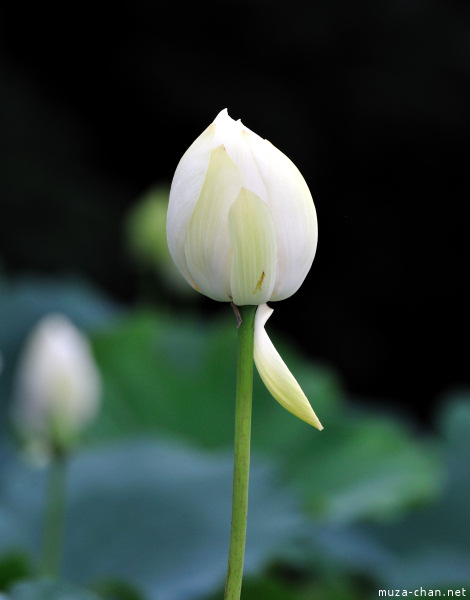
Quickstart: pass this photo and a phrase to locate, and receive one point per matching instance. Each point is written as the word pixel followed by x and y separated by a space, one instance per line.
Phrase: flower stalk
pixel 242 228
pixel 57 393
pixel 241 467
pixel 54 516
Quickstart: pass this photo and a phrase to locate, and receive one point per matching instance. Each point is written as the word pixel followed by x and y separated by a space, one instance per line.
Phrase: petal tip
pixel 316 423
pixel 223 114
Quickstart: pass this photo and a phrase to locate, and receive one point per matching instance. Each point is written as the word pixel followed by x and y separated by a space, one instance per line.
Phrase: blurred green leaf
pixel 14 566
pixel 116 589
pixel 368 467
pixel 155 514
pixel 431 548
pixel 24 301
pixel 177 376
pixel 49 590
pixel 264 588
pixel 303 586
pixel 268 589
pixel 167 374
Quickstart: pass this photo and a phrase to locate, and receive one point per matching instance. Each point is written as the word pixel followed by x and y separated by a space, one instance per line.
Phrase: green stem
pixel 241 466
pixel 54 518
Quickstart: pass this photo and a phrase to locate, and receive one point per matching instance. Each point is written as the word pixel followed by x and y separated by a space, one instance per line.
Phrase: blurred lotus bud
pixel 57 387
pixel 146 238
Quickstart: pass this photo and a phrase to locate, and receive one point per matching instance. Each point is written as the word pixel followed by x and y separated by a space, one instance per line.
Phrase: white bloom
pixel 241 224
pixel 242 227
pixel 57 384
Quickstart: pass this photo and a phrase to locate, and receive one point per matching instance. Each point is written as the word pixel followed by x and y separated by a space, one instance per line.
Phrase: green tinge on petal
pixel 184 194
pixel 207 248
pixel 275 374
pixel 253 238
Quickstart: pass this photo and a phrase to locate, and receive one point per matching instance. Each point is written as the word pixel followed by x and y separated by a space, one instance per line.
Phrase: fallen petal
pixel 276 376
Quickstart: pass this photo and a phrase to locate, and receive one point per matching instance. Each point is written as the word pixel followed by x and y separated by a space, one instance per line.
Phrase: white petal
pixel 293 212
pixel 185 191
pixel 233 135
pixel 208 250
pixel 275 374
pixel 253 239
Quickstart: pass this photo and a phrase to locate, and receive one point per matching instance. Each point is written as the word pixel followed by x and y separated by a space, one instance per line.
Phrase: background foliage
pixel 371 102
pixel 372 502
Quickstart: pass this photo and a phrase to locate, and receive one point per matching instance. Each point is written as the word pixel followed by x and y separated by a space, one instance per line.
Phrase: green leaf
pixel 172 375
pixel 14 566
pixel 431 547
pixel 49 590
pixel 116 589
pixel 265 589
pixel 25 300
pixel 157 515
pixel 297 585
pixel 178 377
pixel 368 467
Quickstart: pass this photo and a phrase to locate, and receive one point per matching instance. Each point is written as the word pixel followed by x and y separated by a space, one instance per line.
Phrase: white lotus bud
pixel 241 223
pixel 242 227
pixel 57 387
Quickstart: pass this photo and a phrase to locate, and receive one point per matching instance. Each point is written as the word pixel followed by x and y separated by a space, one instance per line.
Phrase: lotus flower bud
pixel 57 386
pixel 241 223
pixel 242 227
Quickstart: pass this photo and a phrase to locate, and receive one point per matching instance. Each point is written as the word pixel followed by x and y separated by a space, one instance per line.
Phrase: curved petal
pixel 275 374
pixel 185 191
pixel 253 238
pixel 208 250
pixel 234 136
pixel 293 212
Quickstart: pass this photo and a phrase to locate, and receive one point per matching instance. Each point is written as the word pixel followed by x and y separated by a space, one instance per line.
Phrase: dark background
pixel 369 99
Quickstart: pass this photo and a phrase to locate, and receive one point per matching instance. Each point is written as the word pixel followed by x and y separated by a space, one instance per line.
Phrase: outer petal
pixel 185 191
pixel 275 374
pixel 208 250
pixel 293 212
pixel 232 134
pixel 253 240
